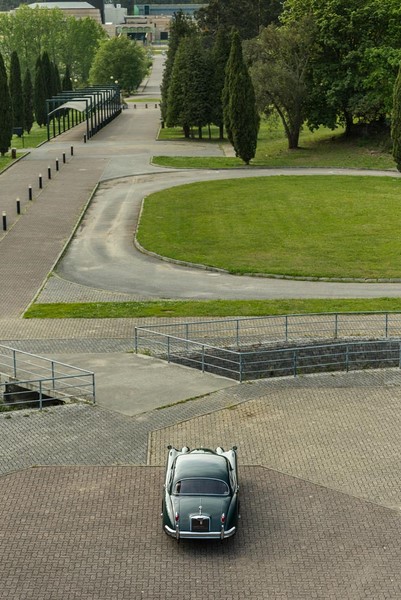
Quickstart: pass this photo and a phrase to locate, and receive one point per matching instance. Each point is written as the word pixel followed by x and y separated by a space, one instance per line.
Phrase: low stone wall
pixel 260 362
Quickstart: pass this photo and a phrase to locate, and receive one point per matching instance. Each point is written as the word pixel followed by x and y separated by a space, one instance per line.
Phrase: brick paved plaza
pixel 320 501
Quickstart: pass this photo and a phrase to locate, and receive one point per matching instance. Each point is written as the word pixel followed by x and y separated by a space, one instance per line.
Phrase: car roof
pixel 201 464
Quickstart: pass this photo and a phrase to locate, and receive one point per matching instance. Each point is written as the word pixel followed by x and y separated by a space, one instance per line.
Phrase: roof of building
pixel 64 5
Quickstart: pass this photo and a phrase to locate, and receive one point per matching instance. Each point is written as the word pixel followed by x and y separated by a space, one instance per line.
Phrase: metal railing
pixel 241 332
pixel 29 379
pixel 275 346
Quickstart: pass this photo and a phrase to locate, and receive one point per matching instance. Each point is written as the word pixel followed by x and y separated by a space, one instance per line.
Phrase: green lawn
pixel 322 148
pixel 210 308
pixel 320 226
pixel 36 136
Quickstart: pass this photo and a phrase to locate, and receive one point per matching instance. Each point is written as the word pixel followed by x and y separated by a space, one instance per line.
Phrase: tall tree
pixel 356 64
pixel 15 85
pixel 189 96
pixel 66 84
pixel 247 16
pixel 220 54
pixel 27 90
pixel 181 26
pixel 47 73
pixel 280 66
pixel 396 121
pixel 240 114
pixel 32 31
pixel 39 95
pixel 6 128
pixel 122 60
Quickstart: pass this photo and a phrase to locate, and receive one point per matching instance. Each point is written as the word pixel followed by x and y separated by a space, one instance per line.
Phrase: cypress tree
pixel 220 54
pixel 6 126
pixel 57 80
pixel 189 95
pixel 181 26
pixel 240 114
pixel 48 75
pixel 39 102
pixel 27 91
pixel 396 121
pixel 66 84
pixel 15 86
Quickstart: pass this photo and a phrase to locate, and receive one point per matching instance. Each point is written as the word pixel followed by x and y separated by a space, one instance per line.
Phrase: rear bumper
pixel 192 535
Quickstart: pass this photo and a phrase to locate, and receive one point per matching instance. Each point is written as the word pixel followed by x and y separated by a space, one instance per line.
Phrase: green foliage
pixel 28 101
pixel 32 31
pixel 48 78
pixel 6 110
pixel 396 121
pixel 17 100
pixel 353 72
pixel 39 94
pixel 280 59
pixel 119 59
pixel 181 26
pixel 189 97
pixel 220 54
pixel 247 16
pixel 241 118
pixel 66 84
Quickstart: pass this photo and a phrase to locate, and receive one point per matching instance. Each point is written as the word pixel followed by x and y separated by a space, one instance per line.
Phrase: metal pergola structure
pixel 97 105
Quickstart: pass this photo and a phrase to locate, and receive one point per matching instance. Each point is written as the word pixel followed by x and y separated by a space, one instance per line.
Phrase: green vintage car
pixel 201 493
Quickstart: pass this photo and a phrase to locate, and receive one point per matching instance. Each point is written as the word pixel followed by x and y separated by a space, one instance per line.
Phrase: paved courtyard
pixel 320 496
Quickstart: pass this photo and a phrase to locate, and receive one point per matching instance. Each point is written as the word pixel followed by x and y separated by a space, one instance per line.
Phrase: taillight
pixel 177 517
pixel 223 518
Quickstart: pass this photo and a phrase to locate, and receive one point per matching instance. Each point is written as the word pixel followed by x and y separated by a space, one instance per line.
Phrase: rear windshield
pixel 201 486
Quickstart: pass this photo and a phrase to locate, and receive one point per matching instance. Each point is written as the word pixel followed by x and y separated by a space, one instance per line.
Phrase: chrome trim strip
pixel 209 535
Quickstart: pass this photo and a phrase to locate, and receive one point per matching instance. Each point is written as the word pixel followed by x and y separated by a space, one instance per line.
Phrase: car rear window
pixel 201 486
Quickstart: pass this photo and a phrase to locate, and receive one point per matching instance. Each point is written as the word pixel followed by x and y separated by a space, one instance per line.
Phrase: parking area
pixel 95 533
pixel 320 497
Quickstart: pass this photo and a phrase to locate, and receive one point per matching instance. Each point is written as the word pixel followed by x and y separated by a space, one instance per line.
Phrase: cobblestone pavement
pixel 320 485
pixel 92 533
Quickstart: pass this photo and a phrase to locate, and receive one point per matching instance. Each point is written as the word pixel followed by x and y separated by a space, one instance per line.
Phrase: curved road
pixel 102 255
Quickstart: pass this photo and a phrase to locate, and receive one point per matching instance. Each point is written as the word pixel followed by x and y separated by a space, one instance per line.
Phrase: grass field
pixel 336 226
pixel 322 148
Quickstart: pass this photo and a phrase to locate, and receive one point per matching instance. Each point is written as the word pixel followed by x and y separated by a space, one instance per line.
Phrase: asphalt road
pixel 102 254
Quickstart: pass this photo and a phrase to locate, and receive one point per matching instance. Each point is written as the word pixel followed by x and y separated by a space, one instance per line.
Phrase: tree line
pixel 204 85
pixel 313 63
pixel 44 52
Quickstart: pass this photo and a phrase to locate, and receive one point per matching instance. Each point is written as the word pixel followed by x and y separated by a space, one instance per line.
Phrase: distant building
pixel 166 10
pixel 77 9
pixel 150 22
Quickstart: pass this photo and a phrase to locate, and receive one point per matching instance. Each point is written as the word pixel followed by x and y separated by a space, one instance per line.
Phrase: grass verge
pixel 207 308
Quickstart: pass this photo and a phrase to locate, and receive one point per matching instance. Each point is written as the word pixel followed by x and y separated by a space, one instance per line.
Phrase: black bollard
pixel 4 221
pixel 84 138
pixel 30 192
pixel 49 172
pixel 63 157
pixel 57 167
pixel 18 206
pixel 72 150
pixel 40 181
